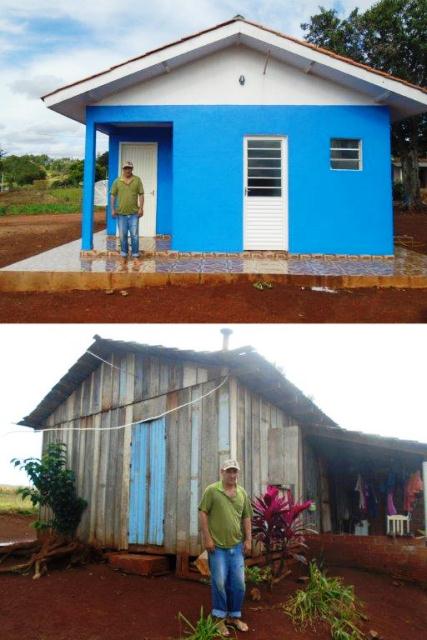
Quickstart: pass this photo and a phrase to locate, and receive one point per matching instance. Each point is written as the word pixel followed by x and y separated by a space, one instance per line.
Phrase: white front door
pixel 144 158
pixel 265 216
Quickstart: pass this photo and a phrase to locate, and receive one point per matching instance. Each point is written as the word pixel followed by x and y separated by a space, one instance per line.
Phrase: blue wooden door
pixel 147 483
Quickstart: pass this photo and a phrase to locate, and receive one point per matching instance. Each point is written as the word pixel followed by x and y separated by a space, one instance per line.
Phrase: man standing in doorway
pixel 130 207
pixel 225 519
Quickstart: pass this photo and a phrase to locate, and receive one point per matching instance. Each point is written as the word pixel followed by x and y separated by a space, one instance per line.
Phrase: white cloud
pixel 110 37
pixel 35 86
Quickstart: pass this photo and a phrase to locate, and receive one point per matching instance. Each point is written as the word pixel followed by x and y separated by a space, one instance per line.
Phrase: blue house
pixel 247 139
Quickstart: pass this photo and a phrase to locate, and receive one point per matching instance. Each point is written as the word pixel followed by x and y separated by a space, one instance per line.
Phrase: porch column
pixel 113 172
pixel 88 185
pixel 425 494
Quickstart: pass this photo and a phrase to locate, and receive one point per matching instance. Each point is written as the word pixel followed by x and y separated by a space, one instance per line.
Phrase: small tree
pixel 54 487
pixel 277 525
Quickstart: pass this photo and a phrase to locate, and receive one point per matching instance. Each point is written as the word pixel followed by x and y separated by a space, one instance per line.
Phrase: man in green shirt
pixel 129 192
pixel 225 519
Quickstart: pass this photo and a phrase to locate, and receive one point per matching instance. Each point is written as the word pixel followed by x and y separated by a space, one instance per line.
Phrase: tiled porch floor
pixel 66 258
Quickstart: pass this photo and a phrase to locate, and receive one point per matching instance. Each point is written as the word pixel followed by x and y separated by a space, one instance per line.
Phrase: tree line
pixel 23 170
pixel 390 36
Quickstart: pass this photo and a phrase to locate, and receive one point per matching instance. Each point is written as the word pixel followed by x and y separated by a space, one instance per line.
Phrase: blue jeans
pixel 128 224
pixel 227 567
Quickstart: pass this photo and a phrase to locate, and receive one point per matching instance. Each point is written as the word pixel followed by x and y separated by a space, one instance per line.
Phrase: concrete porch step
pixel 139 564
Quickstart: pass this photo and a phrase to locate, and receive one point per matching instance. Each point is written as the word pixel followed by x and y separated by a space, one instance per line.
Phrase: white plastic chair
pixel 397 525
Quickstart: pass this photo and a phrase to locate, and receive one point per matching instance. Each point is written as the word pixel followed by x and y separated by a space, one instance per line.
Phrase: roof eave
pixel 91 90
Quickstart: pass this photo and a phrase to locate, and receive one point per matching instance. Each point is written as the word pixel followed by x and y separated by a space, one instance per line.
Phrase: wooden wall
pixel 261 441
pixel 232 422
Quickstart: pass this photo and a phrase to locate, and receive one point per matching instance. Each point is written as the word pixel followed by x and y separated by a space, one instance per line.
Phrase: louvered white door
pixel 144 158
pixel 266 194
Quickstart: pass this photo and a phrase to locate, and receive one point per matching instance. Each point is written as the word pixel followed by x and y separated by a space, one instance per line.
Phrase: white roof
pixel 403 98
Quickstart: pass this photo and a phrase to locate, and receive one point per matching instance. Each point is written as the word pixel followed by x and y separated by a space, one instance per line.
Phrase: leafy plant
pixel 256 575
pixel 277 525
pixel 328 600
pixel 206 628
pixel 54 487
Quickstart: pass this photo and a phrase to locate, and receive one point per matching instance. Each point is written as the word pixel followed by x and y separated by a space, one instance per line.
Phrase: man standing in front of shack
pixel 130 207
pixel 225 520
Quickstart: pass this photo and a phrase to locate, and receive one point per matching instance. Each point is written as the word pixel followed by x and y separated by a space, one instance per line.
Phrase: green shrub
pixel 256 575
pixel 54 487
pixel 204 629
pixel 328 600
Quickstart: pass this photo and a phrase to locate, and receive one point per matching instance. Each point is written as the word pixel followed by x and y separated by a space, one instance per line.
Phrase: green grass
pixel 32 201
pixel 11 503
pixel 326 600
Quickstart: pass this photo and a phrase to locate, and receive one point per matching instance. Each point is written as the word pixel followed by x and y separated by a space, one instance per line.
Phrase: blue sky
pixel 45 44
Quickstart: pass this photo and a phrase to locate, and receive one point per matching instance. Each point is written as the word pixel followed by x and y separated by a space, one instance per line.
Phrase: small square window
pixel 346 154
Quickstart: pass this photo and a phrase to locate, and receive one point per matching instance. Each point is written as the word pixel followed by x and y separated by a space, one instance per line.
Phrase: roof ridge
pixel 239 18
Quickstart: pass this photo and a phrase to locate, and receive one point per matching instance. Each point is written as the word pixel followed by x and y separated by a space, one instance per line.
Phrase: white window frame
pixel 359 149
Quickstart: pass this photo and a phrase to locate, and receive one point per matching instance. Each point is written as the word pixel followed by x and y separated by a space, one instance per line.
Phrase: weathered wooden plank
pixel 276 456
pixel 292 458
pixel 146 373
pixel 118 479
pixel 183 487
pixel 202 375
pixel 241 431
pixel 263 444
pixel 175 376
pixel 210 458
pixel 86 395
pixel 94 492
pixel 107 386
pixel 104 442
pixel 154 382
pixel 223 424
pixel 189 375
pixel 195 471
pixel 149 409
pixel 172 473
pixel 111 488
pixel 248 442
pixel 232 386
pixel 85 469
pixel 115 381
pixel 132 389
pixel 139 374
pixel 256 471
pixel 164 377
pixel 124 511
pixel 95 405
pixel 124 381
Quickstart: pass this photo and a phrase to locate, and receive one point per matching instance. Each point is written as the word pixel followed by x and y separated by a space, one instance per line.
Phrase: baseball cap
pixel 230 464
pixel 128 163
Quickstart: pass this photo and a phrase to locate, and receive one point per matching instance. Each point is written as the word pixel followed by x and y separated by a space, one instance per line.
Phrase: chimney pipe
pixel 226 333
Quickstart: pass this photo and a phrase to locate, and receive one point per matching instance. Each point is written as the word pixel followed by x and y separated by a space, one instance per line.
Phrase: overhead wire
pixel 129 424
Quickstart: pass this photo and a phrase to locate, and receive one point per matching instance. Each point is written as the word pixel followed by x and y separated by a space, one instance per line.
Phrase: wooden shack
pixel 147 428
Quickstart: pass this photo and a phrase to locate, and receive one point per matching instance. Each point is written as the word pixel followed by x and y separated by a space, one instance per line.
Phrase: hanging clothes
pixel 360 487
pixel 391 484
pixel 412 486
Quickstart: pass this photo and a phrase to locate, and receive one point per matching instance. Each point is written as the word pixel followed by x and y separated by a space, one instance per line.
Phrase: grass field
pixel 12 503
pixel 30 201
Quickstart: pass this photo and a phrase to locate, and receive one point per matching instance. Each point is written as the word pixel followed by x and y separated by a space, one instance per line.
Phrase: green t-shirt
pixel 127 194
pixel 225 514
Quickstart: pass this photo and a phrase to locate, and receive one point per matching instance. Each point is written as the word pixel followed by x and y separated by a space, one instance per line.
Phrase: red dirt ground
pixel 228 303
pixel 25 236
pixel 16 527
pixel 96 603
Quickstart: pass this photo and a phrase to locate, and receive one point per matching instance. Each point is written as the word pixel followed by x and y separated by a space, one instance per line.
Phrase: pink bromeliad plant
pixel 278 526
